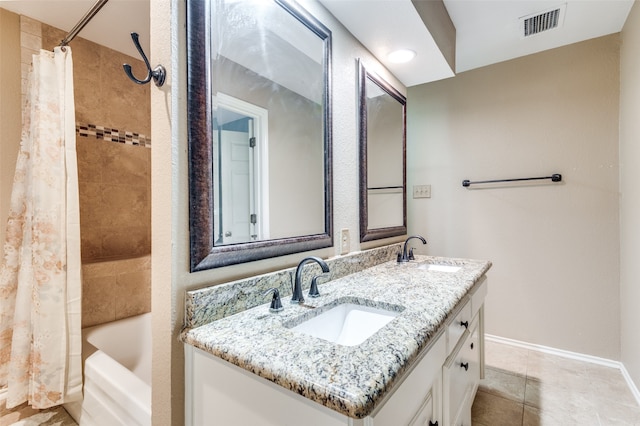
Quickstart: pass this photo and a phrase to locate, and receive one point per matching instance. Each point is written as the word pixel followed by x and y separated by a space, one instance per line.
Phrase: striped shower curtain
pixel 40 273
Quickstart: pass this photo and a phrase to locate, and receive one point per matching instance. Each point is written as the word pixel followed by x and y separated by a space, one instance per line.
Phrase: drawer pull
pixel 464 324
pixel 432 423
pixel 464 365
pixel 471 345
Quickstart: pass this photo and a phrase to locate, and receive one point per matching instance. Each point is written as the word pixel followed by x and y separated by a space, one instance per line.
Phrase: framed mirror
pixel 383 174
pixel 259 112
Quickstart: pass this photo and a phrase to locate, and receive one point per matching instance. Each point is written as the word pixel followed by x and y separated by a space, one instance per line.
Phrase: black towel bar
pixel 556 177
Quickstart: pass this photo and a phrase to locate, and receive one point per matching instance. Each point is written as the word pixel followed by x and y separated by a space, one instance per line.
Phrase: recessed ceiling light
pixel 401 55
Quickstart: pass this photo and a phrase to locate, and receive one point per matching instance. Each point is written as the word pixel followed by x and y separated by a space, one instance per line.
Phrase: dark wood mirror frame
pixel 366 233
pixel 203 254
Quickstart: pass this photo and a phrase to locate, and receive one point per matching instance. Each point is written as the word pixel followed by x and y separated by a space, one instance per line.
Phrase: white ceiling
pixel 387 25
pixel 487 30
pixel 110 27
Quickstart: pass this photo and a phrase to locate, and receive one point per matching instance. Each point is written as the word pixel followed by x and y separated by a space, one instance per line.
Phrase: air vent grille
pixel 541 22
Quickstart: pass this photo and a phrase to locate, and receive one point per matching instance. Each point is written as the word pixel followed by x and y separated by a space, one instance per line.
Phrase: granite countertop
pixel 351 380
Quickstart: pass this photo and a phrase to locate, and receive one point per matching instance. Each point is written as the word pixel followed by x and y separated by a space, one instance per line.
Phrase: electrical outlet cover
pixel 345 241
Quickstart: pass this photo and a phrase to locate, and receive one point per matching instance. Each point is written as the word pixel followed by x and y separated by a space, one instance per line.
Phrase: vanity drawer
pixel 458 326
pixel 461 378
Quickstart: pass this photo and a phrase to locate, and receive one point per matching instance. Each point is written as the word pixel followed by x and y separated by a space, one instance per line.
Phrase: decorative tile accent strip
pixel 212 303
pixel 112 135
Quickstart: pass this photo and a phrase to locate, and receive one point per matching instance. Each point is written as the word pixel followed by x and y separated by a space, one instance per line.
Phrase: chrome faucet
pixel 404 257
pixel 297 288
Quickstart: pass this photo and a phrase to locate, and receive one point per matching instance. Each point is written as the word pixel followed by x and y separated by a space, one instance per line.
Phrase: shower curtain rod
pixel 83 21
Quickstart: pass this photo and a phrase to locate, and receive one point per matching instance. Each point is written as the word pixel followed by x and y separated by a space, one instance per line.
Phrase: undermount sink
pixel 347 324
pixel 439 268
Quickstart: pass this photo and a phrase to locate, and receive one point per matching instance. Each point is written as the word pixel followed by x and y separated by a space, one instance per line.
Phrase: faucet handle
pixel 313 290
pixel 276 303
pixel 411 257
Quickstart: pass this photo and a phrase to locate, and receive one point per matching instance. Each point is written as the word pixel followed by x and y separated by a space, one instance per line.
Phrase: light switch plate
pixel 421 191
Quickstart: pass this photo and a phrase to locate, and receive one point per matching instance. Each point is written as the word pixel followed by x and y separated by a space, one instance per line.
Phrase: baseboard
pixel 553 351
pixel 632 385
pixel 571 355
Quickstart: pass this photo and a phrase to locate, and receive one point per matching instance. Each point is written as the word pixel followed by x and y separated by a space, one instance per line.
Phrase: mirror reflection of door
pixel 240 163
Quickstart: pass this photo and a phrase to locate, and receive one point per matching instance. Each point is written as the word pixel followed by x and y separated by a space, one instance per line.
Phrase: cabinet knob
pixel 464 365
pixel 464 324
pixel 432 423
pixel 471 345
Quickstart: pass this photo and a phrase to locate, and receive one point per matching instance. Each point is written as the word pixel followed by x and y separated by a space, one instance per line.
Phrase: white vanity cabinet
pixel 219 393
pixel 437 390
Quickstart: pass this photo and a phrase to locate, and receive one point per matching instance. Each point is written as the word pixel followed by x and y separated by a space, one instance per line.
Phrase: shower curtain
pixel 40 274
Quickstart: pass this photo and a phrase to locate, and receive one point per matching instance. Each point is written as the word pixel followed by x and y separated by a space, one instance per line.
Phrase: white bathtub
pixel 117 374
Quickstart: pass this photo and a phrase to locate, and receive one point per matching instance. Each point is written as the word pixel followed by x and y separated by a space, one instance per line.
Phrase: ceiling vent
pixel 542 21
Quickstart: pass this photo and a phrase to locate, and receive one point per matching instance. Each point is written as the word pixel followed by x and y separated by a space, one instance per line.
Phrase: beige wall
pixel 554 247
pixel 10 109
pixel 630 199
pixel 170 260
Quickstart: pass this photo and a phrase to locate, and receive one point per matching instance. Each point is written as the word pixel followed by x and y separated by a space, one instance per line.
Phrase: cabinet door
pixel 427 413
pixel 455 380
pixel 221 394
pixel 419 395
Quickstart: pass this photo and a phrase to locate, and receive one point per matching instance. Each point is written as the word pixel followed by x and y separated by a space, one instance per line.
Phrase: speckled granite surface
pixel 212 303
pixel 351 380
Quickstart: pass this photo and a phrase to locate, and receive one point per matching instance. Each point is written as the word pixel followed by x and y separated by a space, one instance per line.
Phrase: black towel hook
pixel 158 73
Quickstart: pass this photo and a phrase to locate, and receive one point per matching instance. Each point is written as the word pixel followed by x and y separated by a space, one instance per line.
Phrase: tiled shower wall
pixel 114 173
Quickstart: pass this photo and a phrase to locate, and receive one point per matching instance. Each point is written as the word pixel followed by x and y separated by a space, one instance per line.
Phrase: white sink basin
pixel 439 268
pixel 347 324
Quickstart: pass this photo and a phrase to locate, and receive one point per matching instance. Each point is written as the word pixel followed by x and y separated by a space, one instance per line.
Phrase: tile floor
pixel 529 388
pixel 24 415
